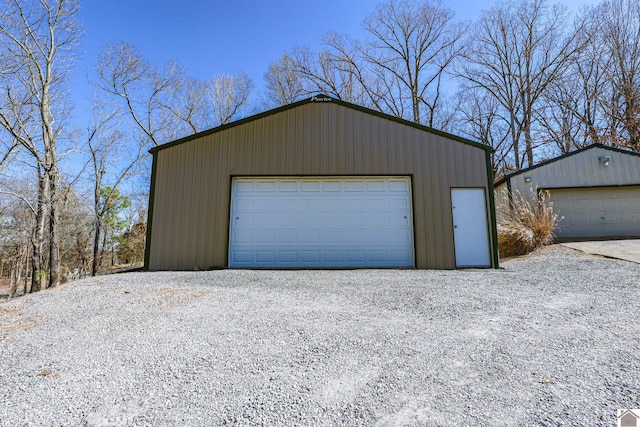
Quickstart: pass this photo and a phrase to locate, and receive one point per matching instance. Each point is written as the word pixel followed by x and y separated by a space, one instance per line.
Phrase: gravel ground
pixel 553 339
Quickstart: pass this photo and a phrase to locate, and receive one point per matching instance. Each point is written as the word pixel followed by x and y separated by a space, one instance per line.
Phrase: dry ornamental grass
pixel 527 224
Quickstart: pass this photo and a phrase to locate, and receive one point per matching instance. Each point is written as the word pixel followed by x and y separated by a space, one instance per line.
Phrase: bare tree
pixel 517 51
pixel 596 101
pixel 618 41
pixel 37 41
pixel 113 159
pixel 186 101
pixel 165 104
pixel 333 71
pixel 565 114
pixel 227 95
pixel 283 84
pixel 195 105
pixel 480 116
pixel 75 246
pixel 8 151
pixel 124 73
pixel 412 45
pixel 17 215
pixel 398 70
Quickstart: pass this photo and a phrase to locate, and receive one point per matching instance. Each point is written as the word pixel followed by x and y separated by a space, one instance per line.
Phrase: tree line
pixel 527 78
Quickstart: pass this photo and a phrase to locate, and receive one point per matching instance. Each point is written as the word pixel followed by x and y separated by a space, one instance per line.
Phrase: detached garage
pixel 321 184
pixel 595 191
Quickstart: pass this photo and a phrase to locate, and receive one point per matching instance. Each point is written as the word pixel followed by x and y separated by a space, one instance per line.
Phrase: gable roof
pixel 323 99
pixel 564 156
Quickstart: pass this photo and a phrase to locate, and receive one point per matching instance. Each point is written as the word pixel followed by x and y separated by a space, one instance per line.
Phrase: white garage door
pixel 597 212
pixel 321 222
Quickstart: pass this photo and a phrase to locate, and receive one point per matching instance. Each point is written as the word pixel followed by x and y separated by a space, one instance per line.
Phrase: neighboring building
pixel 321 184
pixel 596 191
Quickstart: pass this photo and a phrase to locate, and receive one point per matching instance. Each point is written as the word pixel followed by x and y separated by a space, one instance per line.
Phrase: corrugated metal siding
pixel 193 179
pixel 582 170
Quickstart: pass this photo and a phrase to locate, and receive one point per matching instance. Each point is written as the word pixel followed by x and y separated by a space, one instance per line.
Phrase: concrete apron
pixel 628 250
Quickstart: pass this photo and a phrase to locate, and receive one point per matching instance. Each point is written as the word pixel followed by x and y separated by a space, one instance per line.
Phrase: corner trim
pixel 152 192
pixel 492 213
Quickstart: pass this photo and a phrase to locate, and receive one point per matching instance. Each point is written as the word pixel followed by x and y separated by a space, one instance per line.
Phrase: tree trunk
pixel 54 217
pixel 95 263
pixel 54 243
pixel 13 278
pixel 528 142
pixel 26 268
pixel 416 105
pixel 96 248
pixel 630 120
pixel 38 235
pixel 514 138
pixel 104 245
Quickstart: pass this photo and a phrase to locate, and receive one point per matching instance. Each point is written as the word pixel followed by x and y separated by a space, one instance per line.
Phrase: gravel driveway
pixel 553 339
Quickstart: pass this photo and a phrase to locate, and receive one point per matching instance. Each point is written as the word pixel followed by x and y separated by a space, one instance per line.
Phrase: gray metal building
pixel 595 191
pixel 321 183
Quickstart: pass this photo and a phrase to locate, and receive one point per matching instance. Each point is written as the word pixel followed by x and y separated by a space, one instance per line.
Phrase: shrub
pixel 527 224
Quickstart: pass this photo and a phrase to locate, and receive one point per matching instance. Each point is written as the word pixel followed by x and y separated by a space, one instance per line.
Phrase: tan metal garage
pixel 320 183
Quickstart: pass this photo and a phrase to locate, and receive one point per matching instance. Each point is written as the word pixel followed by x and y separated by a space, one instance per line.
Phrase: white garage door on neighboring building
pixel 321 222
pixel 597 212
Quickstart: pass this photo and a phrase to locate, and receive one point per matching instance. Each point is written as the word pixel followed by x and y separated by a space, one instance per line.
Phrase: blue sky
pixel 212 37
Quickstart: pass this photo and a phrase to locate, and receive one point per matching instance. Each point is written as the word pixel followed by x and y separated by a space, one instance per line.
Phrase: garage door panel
pixel 243 205
pixel 401 186
pixel 375 204
pixel 267 187
pixel 325 222
pixel 597 212
pixel 400 256
pixel 331 186
pixel 243 237
pixel 287 256
pixel 354 186
pixel 268 237
pixel 375 186
pixel 398 204
pixel 246 186
pixel 242 256
pixel 286 187
pixel 265 256
pixel 309 237
pixel 333 256
pixel 356 256
pixel 310 256
pixel 267 204
pixel 378 256
pixel 309 186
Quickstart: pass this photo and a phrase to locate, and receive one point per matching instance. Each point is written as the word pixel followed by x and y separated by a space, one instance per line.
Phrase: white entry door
pixel 321 222
pixel 470 227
